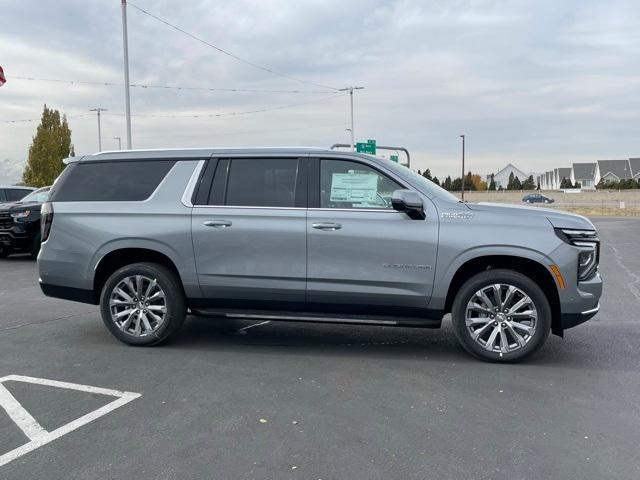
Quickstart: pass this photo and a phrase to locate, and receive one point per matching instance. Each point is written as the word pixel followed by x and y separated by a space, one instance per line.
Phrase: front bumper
pixel 14 240
pixel 572 319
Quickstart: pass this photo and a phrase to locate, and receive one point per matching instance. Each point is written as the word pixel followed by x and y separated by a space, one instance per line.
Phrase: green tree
pixel 492 183
pixel 516 184
pixel 436 181
pixel 566 183
pixel 427 174
pixel 456 185
pixel 447 183
pixel 419 173
pixel 49 146
pixel 510 183
pixel 529 183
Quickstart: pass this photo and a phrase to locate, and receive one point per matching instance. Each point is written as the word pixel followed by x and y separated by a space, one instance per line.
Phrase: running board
pixel 316 318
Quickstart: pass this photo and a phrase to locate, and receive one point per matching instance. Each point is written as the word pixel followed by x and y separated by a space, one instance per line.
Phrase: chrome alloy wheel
pixel 501 318
pixel 138 306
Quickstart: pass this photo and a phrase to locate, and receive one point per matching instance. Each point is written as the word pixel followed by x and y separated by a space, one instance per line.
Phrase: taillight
pixel 46 220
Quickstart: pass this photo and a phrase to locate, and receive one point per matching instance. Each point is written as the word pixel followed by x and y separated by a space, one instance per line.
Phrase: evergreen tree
pixel 566 183
pixel 436 181
pixel 492 183
pixel 469 182
pixel 510 183
pixel 447 183
pixel 528 184
pixel 516 184
pixel 50 145
pixel 419 173
pixel 456 185
pixel 427 174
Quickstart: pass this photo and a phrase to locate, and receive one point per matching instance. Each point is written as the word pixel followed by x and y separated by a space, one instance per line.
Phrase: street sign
pixel 369 147
pixel 394 158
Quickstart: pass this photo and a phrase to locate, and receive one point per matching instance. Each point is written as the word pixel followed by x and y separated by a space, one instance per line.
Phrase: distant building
pixel 502 177
pixel 634 163
pixel 585 174
pixel 563 173
pixel 613 170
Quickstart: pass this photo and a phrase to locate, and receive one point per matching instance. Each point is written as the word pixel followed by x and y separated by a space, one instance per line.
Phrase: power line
pixel 166 87
pixel 196 115
pixel 228 114
pixel 225 52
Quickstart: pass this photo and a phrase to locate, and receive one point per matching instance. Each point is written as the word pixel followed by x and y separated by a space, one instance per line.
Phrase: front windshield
pixel 427 185
pixel 39 196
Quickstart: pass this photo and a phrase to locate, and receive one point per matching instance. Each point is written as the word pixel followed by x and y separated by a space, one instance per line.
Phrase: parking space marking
pixel 37 435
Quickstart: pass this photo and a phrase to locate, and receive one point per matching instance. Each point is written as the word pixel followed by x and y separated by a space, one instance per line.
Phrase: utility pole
pixel 127 100
pixel 119 142
pixel 350 90
pixel 98 110
pixel 462 136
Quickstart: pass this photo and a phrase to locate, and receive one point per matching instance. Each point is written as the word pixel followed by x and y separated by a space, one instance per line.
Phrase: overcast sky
pixel 540 84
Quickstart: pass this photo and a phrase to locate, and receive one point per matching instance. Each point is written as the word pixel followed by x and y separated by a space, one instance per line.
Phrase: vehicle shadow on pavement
pixel 339 340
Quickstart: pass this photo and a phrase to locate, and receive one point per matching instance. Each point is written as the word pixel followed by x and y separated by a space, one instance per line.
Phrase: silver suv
pixel 309 235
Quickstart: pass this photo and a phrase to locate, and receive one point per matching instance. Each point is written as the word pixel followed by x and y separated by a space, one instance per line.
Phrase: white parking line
pixel 37 435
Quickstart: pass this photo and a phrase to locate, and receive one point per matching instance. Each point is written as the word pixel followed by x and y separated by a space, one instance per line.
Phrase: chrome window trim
pixel 191 185
pixel 361 210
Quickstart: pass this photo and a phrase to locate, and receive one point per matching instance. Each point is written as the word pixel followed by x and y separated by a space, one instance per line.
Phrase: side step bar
pixel 317 318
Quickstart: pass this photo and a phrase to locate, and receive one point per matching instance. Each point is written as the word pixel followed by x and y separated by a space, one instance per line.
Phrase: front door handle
pixel 217 223
pixel 327 226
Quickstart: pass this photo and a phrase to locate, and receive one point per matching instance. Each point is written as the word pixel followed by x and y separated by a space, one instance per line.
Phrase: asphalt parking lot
pixel 281 400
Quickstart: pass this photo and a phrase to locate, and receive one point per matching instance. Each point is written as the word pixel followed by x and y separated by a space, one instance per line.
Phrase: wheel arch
pixel 121 257
pixel 533 269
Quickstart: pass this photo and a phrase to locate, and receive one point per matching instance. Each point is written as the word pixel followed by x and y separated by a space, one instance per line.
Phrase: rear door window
pixel 119 181
pixel 260 182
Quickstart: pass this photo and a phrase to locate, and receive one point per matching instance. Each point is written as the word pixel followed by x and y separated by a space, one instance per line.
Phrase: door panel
pixel 250 253
pixel 374 258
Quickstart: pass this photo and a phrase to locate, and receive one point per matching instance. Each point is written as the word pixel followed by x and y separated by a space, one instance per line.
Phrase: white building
pixel 502 177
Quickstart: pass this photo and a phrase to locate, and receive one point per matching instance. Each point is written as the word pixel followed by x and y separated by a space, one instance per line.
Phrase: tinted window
pixel 110 181
pixel 14 194
pixel 2 196
pixel 345 184
pixel 269 182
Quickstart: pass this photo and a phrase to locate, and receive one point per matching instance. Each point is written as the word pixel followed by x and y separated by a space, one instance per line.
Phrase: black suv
pixel 13 193
pixel 20 224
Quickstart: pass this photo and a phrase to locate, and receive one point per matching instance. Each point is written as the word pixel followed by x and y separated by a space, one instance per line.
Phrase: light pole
pixel 98 110
pixel 462 136
pixel 119 142
pixel 127 101
pixel 350 90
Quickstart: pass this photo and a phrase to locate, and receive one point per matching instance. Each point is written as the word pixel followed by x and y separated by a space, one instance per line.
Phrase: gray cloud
pixel 540 84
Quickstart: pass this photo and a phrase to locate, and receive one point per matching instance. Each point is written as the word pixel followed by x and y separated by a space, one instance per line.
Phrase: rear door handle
pixel 217 223
pixel 326 226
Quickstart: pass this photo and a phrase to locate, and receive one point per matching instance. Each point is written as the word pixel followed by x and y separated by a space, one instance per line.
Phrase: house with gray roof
pixel 563 173
pixel 634 163
pixel 613 170
pixel 585 174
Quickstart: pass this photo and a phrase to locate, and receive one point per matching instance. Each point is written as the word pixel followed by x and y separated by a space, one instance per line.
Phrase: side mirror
pixel 409 202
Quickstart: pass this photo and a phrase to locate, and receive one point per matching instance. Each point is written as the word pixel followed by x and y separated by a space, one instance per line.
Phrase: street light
pixel 98 110
pixel 462 136
pixel 350 90
pixel 119 142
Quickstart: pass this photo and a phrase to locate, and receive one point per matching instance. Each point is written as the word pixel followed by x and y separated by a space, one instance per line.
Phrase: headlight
pixel 21 214
pixel 589 244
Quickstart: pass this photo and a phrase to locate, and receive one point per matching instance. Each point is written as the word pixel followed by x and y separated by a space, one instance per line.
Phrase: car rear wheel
pixel 143 304
pixel 501 316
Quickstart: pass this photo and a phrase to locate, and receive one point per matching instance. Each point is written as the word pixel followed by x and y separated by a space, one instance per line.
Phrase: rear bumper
pixel 69 293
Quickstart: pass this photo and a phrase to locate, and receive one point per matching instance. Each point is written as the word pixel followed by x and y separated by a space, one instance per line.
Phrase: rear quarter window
pixel 121 181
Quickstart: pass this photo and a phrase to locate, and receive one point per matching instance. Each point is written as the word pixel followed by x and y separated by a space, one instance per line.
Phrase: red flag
pixel 3 80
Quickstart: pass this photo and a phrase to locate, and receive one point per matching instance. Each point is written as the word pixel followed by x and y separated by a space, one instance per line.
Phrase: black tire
pixel 35 247
pixel 4 252
pixel 507 277
pixel 174 300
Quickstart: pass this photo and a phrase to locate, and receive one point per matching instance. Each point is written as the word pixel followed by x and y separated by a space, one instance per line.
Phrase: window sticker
pixel 354 187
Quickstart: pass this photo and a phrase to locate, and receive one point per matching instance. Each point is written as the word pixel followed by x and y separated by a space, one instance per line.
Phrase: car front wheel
pixel 143 304
pixel 501 316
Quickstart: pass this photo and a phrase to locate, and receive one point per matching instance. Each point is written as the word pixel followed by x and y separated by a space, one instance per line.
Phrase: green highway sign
pixel 394 158
pixel 369 147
